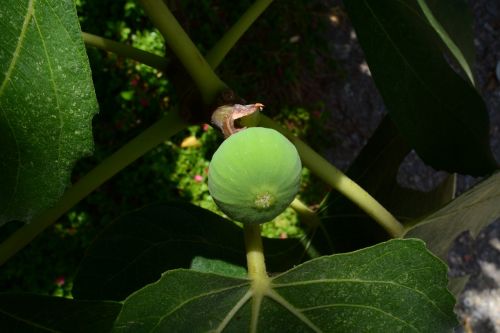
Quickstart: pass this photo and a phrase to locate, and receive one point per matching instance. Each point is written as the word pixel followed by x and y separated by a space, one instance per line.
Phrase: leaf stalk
pixel 255 252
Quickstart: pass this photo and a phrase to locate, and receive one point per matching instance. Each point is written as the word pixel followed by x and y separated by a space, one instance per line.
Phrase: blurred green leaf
pixel 37 313
pixel 440 115
pixel 46 104
pixel 356 292
pixel 127 95
pixel 138 247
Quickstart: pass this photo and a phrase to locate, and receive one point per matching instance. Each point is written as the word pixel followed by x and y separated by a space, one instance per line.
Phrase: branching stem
pixel 202 74
pixel 215 56
pixel 339 181
pixel 125 51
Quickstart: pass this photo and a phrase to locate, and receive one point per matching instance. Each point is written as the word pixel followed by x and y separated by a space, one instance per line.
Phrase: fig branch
pixel 339 181
pixel 214 57
pixel 126 51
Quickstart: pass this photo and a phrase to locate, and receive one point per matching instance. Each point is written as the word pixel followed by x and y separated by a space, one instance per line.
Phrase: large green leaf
pixel 36 313
pixel 397 286
pixel 46 103
pixel 471 211
pixel 440 115
pixel 452 20
pixel 138 247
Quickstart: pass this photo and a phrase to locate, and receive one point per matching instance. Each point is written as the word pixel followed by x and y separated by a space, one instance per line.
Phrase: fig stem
pixel 255 253
pixel 339 181
pixel 256 270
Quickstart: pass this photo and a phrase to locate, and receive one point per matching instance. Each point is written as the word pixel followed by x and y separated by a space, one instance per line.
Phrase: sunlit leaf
pixel 397 286
pixel 47 102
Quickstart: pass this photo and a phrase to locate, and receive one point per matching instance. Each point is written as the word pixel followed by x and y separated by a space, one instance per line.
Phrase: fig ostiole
pixel 254 175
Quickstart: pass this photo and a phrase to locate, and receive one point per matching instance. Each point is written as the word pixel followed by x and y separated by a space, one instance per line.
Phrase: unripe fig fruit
pixel 254 175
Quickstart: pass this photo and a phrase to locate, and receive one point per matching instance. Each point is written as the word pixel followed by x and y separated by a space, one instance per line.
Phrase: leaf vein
pixel 15 56
pixel 54 88
pixel 296 312
pixel 388 314
pixel 30 323
pixel 234 310
pixel 191 299
pixel 318 281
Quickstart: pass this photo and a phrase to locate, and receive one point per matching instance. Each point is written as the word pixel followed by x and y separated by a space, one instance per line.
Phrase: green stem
pixel 256 270
pixel 151 137
pixel 255 252
pixel 215 56
pixel 309 248
pixel 339 181
pixel 125 51
pixel 311 219
pixel 202 74
pixel 306 214
pixel 447 40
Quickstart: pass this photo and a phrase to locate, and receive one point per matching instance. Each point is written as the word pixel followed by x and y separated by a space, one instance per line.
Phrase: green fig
pixel 254 175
